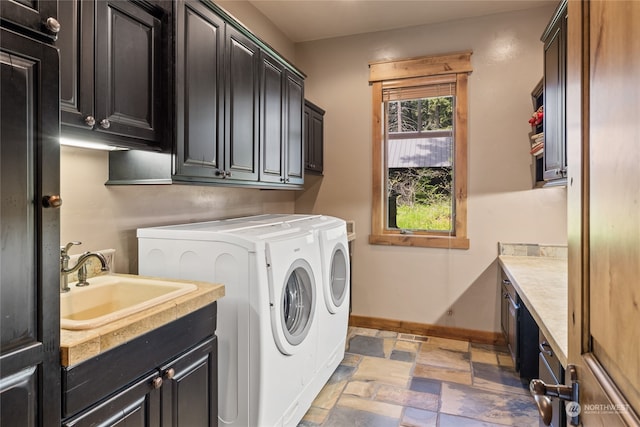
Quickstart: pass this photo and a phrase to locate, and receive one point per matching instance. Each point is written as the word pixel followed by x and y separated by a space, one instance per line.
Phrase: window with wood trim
pixel 419 109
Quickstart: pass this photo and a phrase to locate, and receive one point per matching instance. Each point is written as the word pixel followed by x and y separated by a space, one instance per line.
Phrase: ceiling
pixel 306 20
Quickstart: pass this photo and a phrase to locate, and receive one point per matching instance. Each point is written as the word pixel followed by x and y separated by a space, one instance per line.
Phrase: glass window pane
pixel 419 164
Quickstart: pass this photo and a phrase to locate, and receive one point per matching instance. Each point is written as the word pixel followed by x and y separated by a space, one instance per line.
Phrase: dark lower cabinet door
pixel 128 55
pixel 30 250
pixel 190 388
pixel 135 406
pixel 242 107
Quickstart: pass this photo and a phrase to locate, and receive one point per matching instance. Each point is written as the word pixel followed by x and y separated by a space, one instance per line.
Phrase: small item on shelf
pixel 537 148
pixel 536 117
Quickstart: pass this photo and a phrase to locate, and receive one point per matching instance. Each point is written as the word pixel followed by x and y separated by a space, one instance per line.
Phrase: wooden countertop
pixel 77 346
pixel 541 283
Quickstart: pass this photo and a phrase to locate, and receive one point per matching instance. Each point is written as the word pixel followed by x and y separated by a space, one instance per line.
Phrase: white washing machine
pixel 267 321
pixel 333 289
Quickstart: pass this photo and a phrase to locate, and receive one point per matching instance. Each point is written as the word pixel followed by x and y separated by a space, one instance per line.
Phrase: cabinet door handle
pixel 506 281
pixel 52 25
pixel 90 121
pixel 169 373
pixel 105 124
pixel 156 383
pixel 54 201
pixel 545 348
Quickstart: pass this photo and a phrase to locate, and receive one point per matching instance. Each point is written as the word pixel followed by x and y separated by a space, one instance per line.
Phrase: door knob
pixel 52 25
pixel 542 392
pixel 105 124
pixel 53 201
pixel 90 121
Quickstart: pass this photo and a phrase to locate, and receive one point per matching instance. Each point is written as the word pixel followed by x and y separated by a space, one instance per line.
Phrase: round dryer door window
pixel 297 305
pixel 339 276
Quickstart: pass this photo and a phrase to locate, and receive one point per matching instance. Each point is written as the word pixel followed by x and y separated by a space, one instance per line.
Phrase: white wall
pixel 422 284
pixel 105 217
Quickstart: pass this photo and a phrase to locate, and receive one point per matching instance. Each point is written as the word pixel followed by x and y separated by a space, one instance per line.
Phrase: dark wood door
pixel 128 85
pixel 75 42
pixel 136 406
pixel 190 388
pixel 555 51
pixel 199 92
pixel 272 111
pixel 30 253
pixel 294 103
pixel 32 15
pixel 241 106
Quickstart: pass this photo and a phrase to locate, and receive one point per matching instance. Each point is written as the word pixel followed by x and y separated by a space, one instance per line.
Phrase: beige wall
pixel 417 284
pixel 105 217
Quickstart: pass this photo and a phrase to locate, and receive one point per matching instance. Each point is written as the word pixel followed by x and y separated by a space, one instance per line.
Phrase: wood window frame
pixel 396 74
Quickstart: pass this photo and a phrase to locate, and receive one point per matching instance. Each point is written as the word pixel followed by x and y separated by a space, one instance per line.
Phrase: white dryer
pixel 333 289
pixel 333 303
pixel 267 321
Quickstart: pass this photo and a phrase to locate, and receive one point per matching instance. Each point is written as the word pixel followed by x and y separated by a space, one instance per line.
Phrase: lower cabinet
pixel 520 331
pixel 167 377
pixel 551 372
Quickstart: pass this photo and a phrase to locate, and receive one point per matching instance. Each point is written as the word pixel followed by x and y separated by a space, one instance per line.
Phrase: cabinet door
pixel 241 107
pixel 314 138
pixel 75 42
pixel 128 85
pixel 190 388
pixel 199 108
pixel 136 406
pixel 31 14
pixel 272 120
pixel 294 103
pixel 30 250
pixel 554 101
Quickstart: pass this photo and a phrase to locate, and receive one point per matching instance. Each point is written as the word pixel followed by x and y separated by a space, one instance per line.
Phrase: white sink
pixel 113 297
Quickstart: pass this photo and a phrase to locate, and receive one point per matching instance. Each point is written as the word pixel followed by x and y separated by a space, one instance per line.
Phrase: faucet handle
pixel 65 249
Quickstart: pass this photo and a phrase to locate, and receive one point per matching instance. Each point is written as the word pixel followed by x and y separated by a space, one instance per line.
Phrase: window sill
pixel 420 241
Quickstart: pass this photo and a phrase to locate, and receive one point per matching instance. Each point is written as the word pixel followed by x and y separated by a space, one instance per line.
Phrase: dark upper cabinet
pixel 199 145
pixel 37 17
pixel 313 138
pixel 294 89
pixel 555 54
pixel 241 106
pixel 112 79
pixel 30 253
pixel 281 123
pixel 238 110
pixel 272 124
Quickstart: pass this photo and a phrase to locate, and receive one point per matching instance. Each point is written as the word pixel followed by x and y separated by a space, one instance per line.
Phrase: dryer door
pixel 292 294
pixel 338 282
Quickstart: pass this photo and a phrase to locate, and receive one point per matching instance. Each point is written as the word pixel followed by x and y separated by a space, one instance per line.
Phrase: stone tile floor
pixel 388 379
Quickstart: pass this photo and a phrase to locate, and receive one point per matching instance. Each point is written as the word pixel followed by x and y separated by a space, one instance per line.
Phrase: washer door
pixel 337 286
pixel 293 306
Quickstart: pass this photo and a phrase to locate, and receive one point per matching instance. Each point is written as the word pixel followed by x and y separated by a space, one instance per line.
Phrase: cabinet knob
pixel 52 25
pixel 90 121
pixel 169 373
pixel 156 383
pixel 105 124
pixel 54 201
